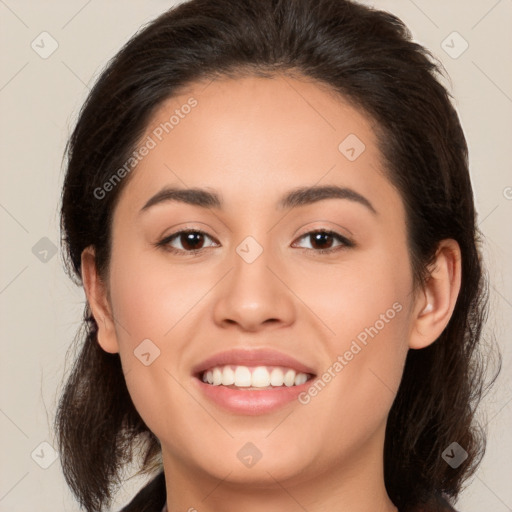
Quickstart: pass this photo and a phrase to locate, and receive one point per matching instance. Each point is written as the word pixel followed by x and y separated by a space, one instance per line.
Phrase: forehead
pixel 254 138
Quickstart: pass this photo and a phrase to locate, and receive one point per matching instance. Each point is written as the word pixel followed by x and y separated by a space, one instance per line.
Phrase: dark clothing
pixel 152 497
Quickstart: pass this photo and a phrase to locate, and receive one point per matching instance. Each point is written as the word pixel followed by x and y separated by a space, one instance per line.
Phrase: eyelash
pixel 345 242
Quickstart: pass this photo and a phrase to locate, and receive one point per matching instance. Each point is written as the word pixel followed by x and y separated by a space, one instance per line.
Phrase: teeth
pixel 300 378
pixel 217 376
pixel 253 377
pixel 277 377
pixel 289 378
pixel 228 376
pixel 260 377
pixel 242 377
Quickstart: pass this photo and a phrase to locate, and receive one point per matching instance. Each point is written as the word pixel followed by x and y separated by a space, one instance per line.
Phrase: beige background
pixel 41 309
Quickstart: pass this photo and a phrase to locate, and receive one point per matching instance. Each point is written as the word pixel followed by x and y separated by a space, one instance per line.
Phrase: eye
pixel 193 241
pixel 187 240
pixel 323 241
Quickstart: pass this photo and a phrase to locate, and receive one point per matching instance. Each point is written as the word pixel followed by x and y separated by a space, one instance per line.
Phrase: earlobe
pixel 96 293
pixel 436 302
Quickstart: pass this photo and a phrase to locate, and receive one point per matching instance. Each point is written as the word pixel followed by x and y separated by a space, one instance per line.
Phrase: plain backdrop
pixel 41 309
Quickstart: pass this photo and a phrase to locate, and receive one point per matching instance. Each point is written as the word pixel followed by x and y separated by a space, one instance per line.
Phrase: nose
pixel 254 295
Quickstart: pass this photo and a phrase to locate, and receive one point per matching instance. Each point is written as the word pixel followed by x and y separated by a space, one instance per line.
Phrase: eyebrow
pixel 301 196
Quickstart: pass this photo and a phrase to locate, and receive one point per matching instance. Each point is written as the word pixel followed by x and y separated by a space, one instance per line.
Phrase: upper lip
pixel 252 357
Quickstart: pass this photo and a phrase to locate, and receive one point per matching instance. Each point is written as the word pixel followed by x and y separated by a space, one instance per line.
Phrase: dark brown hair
pixel 369 58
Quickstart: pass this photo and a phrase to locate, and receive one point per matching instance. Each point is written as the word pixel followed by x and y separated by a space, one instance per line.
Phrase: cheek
pixel 358 293
pixel 149 298
pixel 365 305
pixel 149 302
pixel 352 398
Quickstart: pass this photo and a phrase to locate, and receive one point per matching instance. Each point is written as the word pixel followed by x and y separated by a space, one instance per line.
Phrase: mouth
pixel 252 382
pixel 245 378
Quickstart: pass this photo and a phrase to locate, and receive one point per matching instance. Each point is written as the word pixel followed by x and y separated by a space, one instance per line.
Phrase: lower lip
pixel 252 402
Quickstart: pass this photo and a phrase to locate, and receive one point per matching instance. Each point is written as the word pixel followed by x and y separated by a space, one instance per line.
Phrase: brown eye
pixel 325 241
pixel 191 240
pixel 186 241
pixel 321 240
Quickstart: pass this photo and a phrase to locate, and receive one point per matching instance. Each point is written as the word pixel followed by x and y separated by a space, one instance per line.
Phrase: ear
pixel 436 301
pixel 97 297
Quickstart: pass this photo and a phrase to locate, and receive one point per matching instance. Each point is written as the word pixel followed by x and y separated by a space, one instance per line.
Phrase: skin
pixel 252 140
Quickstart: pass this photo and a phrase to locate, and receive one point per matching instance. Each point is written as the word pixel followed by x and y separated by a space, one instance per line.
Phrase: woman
pixel 269 207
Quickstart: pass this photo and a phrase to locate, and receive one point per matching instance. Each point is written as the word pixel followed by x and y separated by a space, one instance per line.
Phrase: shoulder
pixel 444 506
pixel 439 503
pixel 151 498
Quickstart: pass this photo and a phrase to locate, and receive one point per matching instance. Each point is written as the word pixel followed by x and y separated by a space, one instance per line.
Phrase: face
pixel 322 278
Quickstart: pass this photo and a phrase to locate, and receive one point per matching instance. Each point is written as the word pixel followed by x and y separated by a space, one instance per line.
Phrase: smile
pixel 254 377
